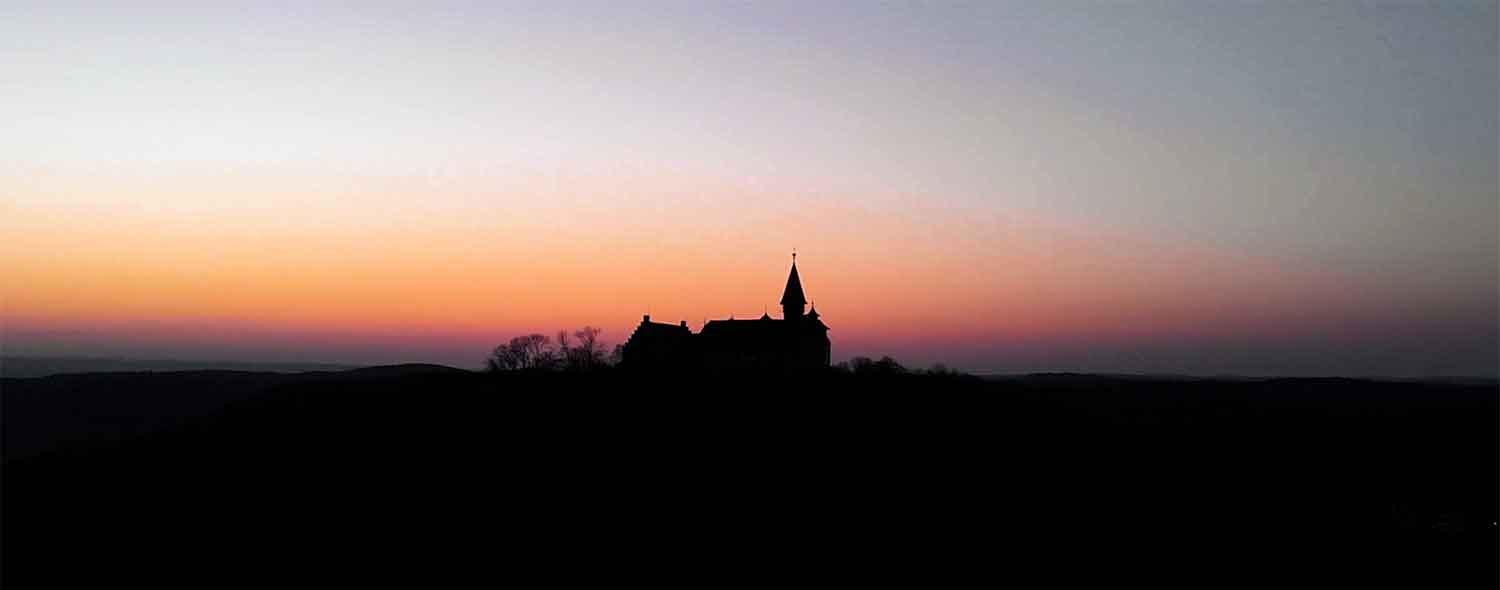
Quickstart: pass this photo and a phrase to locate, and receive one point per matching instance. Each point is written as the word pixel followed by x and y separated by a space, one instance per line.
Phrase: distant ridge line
pixel 42 366
pixel 1451 379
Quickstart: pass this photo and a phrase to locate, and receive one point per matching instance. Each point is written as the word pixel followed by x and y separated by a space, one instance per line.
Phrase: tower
pixel 792 300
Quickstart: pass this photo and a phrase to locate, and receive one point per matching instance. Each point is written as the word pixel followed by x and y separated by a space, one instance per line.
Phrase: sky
pixel 1251 188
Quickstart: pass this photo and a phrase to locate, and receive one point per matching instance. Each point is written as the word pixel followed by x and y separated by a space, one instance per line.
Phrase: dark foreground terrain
pixel 421 475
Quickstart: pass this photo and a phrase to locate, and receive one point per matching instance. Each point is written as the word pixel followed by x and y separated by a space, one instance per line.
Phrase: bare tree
pixel 520 354
pixel 885 366
pixel 581 350
pixel 587 352
pixel 537 355
pixel 590 349
pixel 943 370
pixel 564 348
pixel 889 366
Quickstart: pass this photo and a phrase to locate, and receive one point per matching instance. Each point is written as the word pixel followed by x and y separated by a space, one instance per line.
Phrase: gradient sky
pixel 1293 188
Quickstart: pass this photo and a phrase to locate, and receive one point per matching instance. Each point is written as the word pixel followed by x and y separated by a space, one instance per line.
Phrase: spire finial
pixel 794 255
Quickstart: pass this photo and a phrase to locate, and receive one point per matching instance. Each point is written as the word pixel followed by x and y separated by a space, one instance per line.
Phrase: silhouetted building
pixel 796 341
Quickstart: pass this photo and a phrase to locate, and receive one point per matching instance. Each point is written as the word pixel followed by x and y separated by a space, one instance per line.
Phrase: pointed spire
pixel 792 299
pixel 793 293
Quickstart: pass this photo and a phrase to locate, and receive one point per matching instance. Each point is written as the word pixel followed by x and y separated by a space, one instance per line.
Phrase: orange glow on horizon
pixel 477 276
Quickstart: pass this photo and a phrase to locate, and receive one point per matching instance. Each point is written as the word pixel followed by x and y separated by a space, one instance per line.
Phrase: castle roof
pixel 737 328
pixel 649 327
pixel 793 293
pixel 763 326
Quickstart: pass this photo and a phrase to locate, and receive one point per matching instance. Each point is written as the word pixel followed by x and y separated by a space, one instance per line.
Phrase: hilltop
pixel 436 476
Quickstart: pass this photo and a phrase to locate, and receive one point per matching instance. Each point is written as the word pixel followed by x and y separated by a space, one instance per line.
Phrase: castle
pixel 796 341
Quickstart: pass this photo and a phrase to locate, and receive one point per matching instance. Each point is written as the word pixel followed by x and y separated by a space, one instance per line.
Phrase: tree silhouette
pixel 521 353
pixel 885 366
pixel 943 370
pixel 580 350
pixel 589 352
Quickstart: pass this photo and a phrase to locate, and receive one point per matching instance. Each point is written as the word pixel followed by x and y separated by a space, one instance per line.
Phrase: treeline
pixel 583 351
pixel 577 351
pixel 863 365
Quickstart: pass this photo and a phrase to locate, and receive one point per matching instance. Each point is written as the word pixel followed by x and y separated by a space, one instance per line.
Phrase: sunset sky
pixel 1256 188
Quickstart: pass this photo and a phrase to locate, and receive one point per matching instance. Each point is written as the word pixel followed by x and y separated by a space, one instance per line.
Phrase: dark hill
pixel 42 366
pixel 426 476
pixel 68 411
pixel 404 370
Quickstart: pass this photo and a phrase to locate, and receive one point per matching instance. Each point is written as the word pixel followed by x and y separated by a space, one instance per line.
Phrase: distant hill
pixel 99 408
pixel 1160 378
pixel 406 370
pixel 42 366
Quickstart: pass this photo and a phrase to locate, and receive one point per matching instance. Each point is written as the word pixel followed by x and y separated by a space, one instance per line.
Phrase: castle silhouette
pixel 796 341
